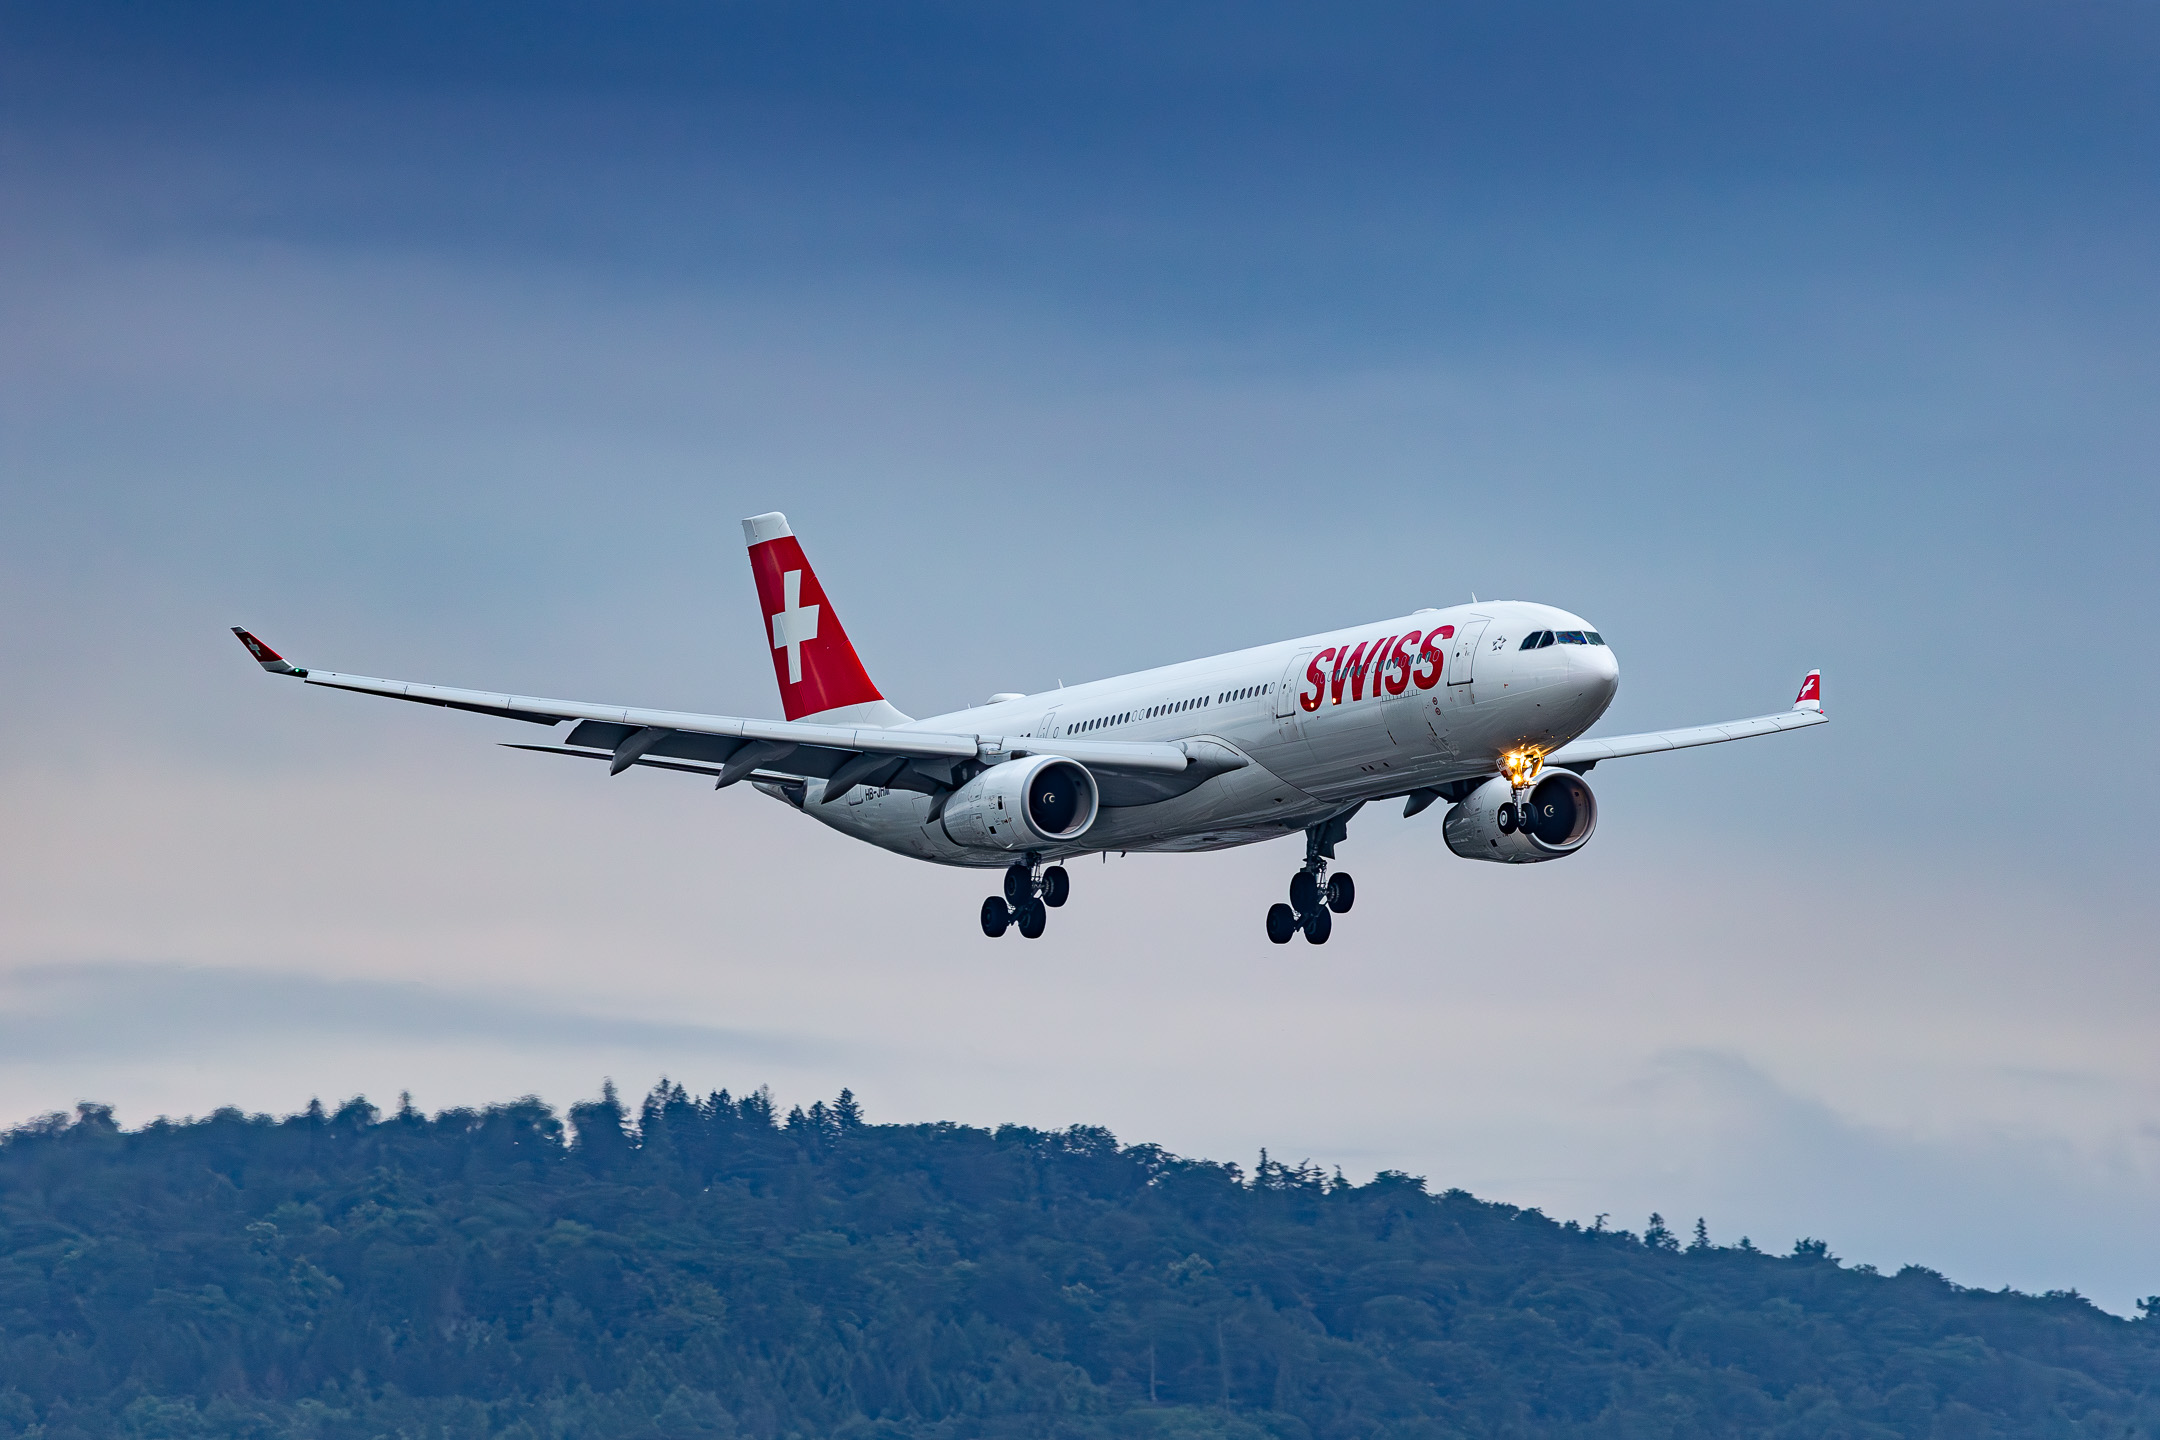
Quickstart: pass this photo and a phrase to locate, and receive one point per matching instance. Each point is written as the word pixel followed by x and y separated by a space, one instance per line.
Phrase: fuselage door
pixel 1462 655
pixel 1286 692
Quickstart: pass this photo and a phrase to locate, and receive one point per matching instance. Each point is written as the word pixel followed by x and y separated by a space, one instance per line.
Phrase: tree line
pixel 710 1267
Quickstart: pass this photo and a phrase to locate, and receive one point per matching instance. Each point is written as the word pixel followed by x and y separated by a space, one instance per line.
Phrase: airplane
pixel 1481 705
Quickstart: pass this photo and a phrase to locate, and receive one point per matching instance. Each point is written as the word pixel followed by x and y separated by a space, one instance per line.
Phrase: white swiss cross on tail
pixel 815 665
pixel 795 623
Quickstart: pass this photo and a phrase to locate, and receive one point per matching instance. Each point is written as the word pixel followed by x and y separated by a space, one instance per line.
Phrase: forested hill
pixel 706 1268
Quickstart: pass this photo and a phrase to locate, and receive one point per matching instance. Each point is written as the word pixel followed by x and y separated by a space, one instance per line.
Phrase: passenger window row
pixel 1198 702
pixel 1539 639
pixel 1098 723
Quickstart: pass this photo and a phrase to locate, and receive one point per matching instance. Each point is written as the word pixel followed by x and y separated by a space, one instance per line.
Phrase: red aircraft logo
pixel 1393 664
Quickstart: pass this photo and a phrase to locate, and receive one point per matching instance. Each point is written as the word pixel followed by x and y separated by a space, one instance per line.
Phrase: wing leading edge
pixel 1807 710
pixel 923 760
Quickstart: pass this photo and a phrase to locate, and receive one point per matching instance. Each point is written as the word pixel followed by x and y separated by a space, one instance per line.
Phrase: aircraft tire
pixel 1304 892
pixel 1319 925
pixel 1032 919
pixel 1019 885
pixel 996 915
pixel 1281 923
pixel 1506 818
pixel 1056 886
pixel 1341 892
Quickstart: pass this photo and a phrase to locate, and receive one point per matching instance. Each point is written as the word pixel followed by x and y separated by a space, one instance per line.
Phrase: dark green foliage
pixel 702 1268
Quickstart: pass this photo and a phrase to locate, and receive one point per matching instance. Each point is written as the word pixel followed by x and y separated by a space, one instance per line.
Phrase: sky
pixel 452 342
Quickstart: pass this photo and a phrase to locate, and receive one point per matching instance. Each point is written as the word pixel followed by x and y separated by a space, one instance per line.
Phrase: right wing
pixel 1807 710
pixel 732 748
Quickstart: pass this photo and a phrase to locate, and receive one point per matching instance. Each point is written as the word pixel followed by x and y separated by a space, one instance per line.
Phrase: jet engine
pixel 1551 819
pixel 1023 805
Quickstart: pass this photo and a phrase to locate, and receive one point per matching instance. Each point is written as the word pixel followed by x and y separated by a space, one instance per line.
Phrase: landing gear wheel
pixel 1281 923
pixel 1319 925
pixel 1527 820
pixel 995 917
pixel 1032 918
pixel 1506 817
pixel 1056 886
pixel 1304 892
pixel 1019 885
pixel 1341 892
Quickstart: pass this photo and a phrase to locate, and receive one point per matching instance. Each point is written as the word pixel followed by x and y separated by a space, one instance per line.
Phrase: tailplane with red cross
pixel 821 677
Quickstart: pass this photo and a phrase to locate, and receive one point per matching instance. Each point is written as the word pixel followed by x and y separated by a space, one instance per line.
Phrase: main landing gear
pixel 1031 892
pixel 1316 897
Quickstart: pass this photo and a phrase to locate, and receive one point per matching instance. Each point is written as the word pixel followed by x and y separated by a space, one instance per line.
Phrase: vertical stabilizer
pixel 821 677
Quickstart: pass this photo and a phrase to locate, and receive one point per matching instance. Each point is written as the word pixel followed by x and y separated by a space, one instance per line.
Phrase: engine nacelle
pixel 1553 819
pixel 1023 805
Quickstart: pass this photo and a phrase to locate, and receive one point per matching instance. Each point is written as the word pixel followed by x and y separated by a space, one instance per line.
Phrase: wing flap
pixel 796 732
pixel 818 750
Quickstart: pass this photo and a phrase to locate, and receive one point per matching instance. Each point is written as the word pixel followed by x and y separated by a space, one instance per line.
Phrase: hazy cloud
pixel 143 1010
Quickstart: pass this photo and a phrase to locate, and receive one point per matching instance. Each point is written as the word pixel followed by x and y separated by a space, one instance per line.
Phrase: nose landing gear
pixel 1315 896
pixel 1028 899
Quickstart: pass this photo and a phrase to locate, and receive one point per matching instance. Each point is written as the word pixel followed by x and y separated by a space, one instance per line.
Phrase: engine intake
pixel 1554 818
pixel 1023 805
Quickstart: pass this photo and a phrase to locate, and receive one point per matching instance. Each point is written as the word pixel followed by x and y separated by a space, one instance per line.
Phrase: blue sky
pixel 452 342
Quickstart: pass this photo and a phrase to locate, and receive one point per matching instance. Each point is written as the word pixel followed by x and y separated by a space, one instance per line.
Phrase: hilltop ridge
pixel 707 1267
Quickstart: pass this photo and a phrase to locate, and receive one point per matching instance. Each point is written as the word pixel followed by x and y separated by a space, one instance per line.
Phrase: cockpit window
pixel 1572 637
pixel 1530 641
pixel 1593 637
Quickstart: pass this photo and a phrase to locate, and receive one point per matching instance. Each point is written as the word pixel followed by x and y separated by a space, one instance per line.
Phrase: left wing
pixel 1807 710
pixel 736 747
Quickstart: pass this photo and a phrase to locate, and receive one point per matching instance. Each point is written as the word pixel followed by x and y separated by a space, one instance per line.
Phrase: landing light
pixel 1521 766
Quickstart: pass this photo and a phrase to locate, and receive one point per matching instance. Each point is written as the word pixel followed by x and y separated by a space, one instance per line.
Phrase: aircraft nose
pixel 1597 670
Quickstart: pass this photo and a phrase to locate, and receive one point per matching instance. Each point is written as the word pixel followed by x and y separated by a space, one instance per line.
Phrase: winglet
pixel 1810 697
pixel 266 657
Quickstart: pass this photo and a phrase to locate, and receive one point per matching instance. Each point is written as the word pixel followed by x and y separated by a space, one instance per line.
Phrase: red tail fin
pixel 812 657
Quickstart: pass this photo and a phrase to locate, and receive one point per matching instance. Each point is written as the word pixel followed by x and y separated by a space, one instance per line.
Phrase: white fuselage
pixel 1321 732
